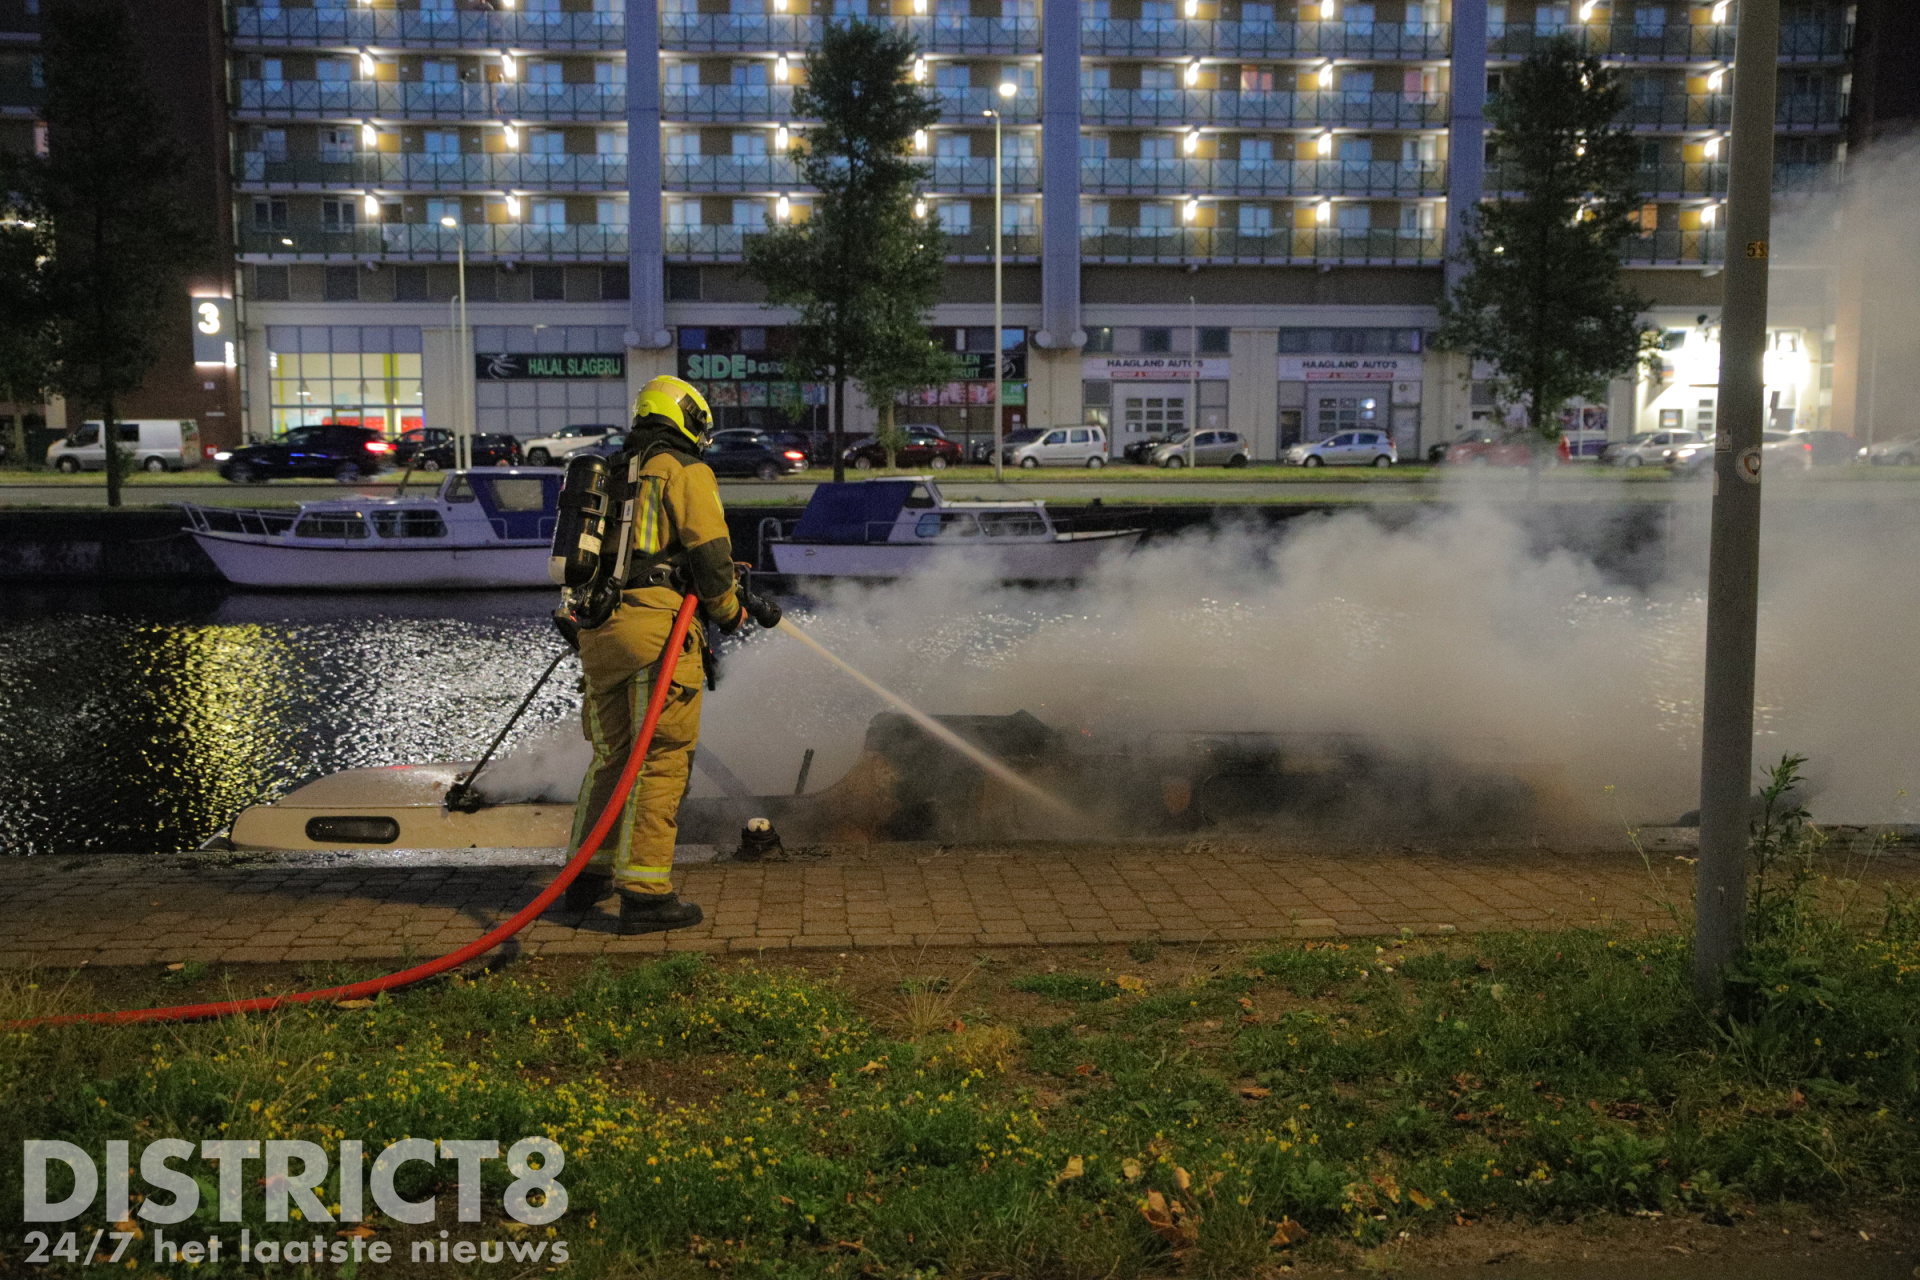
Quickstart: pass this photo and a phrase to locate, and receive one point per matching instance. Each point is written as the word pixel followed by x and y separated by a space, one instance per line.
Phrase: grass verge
pixel 1092 1114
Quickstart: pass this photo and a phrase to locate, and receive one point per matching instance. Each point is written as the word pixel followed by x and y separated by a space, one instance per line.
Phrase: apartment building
pixel 1226 212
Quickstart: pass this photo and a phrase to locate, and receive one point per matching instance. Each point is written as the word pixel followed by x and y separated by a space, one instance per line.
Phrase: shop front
pixel 1321 396
pixel 532 381
pixel 1145 397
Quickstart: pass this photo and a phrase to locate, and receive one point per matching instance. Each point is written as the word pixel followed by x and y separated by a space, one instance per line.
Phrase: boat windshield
pixel 1013 524
pixel 948 524
pixel 331 524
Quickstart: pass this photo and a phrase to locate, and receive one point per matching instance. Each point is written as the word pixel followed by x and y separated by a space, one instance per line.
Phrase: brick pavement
pixel 128 911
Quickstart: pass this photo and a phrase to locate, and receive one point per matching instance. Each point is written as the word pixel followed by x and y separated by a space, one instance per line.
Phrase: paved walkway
pixel 126 911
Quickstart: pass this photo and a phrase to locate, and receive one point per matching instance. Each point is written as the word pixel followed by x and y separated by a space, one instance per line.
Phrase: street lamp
pixel 463 365
pixel 1007 90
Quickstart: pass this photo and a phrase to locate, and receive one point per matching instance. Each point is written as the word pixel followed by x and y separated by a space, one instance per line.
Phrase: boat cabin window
pixel 331 524
pixel 1013 524
pixel 920 499
pixel 947 524
pixel 458 490
pixel 516 493
pixel 409 524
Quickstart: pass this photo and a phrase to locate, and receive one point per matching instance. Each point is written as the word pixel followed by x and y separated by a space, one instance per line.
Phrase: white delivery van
pixel 1081 446
pixel 155 444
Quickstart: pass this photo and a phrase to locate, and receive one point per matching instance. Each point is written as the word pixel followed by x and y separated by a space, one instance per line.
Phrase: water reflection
pixel 141 720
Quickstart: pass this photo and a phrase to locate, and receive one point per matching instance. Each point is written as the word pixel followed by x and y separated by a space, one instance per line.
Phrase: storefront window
pixel 356 375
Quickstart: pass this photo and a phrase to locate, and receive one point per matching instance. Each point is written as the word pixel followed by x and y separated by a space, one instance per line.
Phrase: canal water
pixel 140 720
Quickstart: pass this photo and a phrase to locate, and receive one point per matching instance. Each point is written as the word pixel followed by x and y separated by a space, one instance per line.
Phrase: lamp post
pixel 463 367
pixel 1007 90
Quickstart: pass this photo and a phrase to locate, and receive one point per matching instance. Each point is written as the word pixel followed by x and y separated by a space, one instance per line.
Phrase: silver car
pixel 1654 449
pixel 1210 449
pixel 1347 449
pixel 1903 451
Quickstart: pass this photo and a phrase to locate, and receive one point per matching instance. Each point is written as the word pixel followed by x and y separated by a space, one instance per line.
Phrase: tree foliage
pixel 1542 300
pixel 121 236
pixel 863 271
pixel 24 348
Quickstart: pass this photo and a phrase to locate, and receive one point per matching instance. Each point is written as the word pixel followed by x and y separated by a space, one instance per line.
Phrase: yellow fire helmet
pixel 674 403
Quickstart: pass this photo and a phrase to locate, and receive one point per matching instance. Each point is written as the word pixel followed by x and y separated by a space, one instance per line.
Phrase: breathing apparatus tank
pixel 591 537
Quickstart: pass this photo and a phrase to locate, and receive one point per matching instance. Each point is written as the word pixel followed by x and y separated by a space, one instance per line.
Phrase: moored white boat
pixel 896 527
pixel 481 529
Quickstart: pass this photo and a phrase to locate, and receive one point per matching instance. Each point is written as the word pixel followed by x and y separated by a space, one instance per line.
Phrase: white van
pixel 156 444
pixel 1080 446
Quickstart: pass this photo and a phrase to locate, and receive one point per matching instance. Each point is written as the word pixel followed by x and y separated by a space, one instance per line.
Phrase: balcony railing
pixel 433 172
pixel 1265 177
pixel 1670 42
pixel 1384 40
pixel 1282 110
pixel 406 240
pixel 726 33
pixel 720 244
pixel 1677 248
pixel 1375 247
pixel 1687 181
pixel 777 173
pixel 1813 178
pixel 429 100
pixel 775 102
pixel 264 26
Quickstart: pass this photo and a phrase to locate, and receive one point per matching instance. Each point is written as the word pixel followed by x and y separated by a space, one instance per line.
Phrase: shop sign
pixel 1348 369
pixel 702 366
pixel 1154 369
pixel 508 367
pixel 977 366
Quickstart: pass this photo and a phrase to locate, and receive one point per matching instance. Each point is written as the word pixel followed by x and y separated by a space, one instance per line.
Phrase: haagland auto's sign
pixel 1348 368
pixel 1153 368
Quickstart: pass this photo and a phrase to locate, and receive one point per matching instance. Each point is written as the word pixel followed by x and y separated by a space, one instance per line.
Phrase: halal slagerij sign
pixel 511 367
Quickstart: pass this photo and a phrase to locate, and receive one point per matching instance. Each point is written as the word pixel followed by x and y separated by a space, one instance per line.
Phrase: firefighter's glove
pixel 761 609
pixel 569 630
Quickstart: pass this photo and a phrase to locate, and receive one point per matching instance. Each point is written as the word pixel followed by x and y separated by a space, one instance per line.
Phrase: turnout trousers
pixel 621 660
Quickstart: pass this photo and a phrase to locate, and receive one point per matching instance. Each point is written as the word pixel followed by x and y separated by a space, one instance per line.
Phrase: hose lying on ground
pixel 656 702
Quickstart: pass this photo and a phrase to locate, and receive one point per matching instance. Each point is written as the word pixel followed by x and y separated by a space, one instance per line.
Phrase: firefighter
pixel 679 546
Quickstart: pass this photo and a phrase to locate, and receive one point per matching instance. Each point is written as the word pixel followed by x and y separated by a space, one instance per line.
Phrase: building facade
pixel 1222 212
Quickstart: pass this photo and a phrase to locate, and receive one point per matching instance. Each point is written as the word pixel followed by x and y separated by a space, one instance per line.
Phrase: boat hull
pixel 1057 560
pixel 248 561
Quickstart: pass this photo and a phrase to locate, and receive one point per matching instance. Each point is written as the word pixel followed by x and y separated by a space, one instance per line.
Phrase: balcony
pixel 731 173
pixel 422 171
pixel 407 241
pixel 1677 249
pixel 1167 36
pixel 274 28
pixel 726 244
pixel 1677 42
pixel 1269 110
pixel 1264 178
pixel 766 103
pixel 428 100
pixel 730 33
pixel 1816 178
pixel 1318 246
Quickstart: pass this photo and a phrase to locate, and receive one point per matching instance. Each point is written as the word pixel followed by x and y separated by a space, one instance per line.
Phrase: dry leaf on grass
pixel 1076 1168
pixel 1287 1232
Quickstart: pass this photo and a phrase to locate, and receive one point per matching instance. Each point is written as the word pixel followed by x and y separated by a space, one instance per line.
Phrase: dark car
pixel 412 442
pixel 345 453
pixel 1141 450
pixel 1833 448
pixel 488 451
pixel 925 447
pixel 747 451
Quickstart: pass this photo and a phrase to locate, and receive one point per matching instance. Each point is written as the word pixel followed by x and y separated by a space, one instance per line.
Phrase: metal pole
pixel 1733 573
pixel 463 432
pixel 999 333
pixel 1193 381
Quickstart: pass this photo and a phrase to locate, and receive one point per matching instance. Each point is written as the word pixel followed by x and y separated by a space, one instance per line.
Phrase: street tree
pixel 24 348
pixel 1542 299
pixel 121 238
pixel 862 265
pixel 901 358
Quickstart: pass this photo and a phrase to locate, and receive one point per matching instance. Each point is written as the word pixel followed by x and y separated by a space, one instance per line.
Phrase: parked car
pixel 982 452
pixel 1693 458
pixel 1648 449
pixel 1140 450
pixel 925 447
pixel 542 450
pixel 410 443
pixel 745 451
pixel 345 453
pixel 1832 448
pixel 156 444
pixel 1901 451
pixel 1210 449
pixel 1786 449
pixel 1347 449
pixel 1482 447
pixel 488 451
pixel 1081 446
pixel 606 446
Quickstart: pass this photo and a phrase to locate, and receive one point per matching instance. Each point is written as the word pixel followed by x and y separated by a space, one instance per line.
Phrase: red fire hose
pixel 479 946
